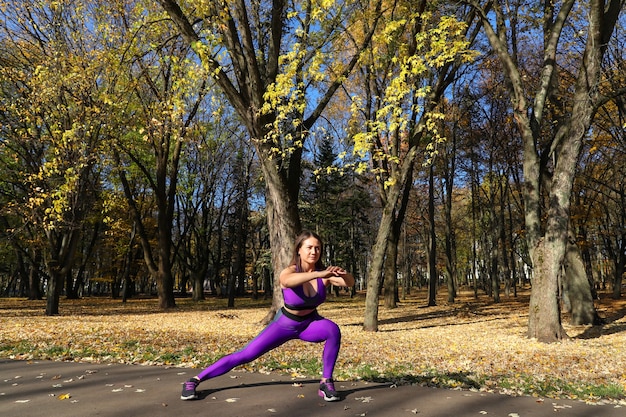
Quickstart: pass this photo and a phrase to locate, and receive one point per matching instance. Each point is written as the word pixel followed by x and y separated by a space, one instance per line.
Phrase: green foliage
pixel 334 204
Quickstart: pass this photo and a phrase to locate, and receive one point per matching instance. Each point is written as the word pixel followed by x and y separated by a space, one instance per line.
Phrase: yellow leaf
pixel 64 396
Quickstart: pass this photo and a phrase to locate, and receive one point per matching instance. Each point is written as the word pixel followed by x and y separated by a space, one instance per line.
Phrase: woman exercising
pixel 303 284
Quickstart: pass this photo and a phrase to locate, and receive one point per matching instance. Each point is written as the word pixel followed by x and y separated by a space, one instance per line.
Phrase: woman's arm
pixel 339 277
pixel 335 275
pixel 290 278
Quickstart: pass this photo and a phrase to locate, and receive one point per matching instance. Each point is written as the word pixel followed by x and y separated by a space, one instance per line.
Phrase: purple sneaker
pixel 189 389
pixel 327 391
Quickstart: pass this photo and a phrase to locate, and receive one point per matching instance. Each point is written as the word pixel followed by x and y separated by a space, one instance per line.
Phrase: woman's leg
pixel 320 330
pixel 279 331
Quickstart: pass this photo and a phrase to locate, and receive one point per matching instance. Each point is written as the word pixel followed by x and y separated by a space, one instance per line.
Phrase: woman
pixel 303 284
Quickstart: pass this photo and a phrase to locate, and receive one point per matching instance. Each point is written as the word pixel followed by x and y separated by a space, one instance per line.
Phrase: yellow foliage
pixel 442 41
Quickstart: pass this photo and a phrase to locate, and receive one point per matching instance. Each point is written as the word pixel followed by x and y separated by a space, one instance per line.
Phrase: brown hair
pixel 295 258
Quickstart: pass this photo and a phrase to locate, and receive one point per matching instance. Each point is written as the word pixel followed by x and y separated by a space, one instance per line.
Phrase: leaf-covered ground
pixel 473 343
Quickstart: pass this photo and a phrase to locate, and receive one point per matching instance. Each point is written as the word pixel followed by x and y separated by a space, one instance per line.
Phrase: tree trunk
pixel 577 294
pixel 391 272
pixel 450 242
pixel 544 321
pixel 547 244
pixel 164 277
pixel 283 222
pixel 34 278
pixel 370 320
pixel 620 263
pixel 62 251
pixel 432 242
pixel 493 239
pixel 55 283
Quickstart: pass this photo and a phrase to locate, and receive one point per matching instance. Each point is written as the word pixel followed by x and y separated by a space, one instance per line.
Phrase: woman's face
pixel 310 251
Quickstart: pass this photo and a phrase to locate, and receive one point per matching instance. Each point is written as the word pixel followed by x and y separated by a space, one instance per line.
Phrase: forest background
pixel 175 149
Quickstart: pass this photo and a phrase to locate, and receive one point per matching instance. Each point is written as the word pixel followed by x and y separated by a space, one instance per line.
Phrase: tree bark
pixel 577 294
pixel 547 245
pixel 34 278
pixel 370 320
pixel 391 272
pixel 544 322
pixel 283 226
pixel 432 241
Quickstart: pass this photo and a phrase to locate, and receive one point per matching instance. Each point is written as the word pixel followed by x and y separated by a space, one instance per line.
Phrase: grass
pixel 471 344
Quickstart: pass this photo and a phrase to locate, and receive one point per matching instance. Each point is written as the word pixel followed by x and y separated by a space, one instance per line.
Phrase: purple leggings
pixel 284 327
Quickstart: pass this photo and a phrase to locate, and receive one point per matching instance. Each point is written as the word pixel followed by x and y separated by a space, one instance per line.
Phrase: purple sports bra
pixel 295 299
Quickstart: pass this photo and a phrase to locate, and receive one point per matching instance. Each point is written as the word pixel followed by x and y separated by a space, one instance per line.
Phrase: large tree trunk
pixel 544 311
pixel 577 291
pixel 197 282
pixel 53 292
pixel 549 255
pixel 283 223
pixel 601 24
pixel 165 286
pixel 547 248
pixel 62 252
pixel 370 320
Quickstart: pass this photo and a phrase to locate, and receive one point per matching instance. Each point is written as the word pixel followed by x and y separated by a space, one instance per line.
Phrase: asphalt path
pixel 68 389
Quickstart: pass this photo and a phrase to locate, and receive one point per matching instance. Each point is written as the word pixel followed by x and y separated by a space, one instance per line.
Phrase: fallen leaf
pixel 64 396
